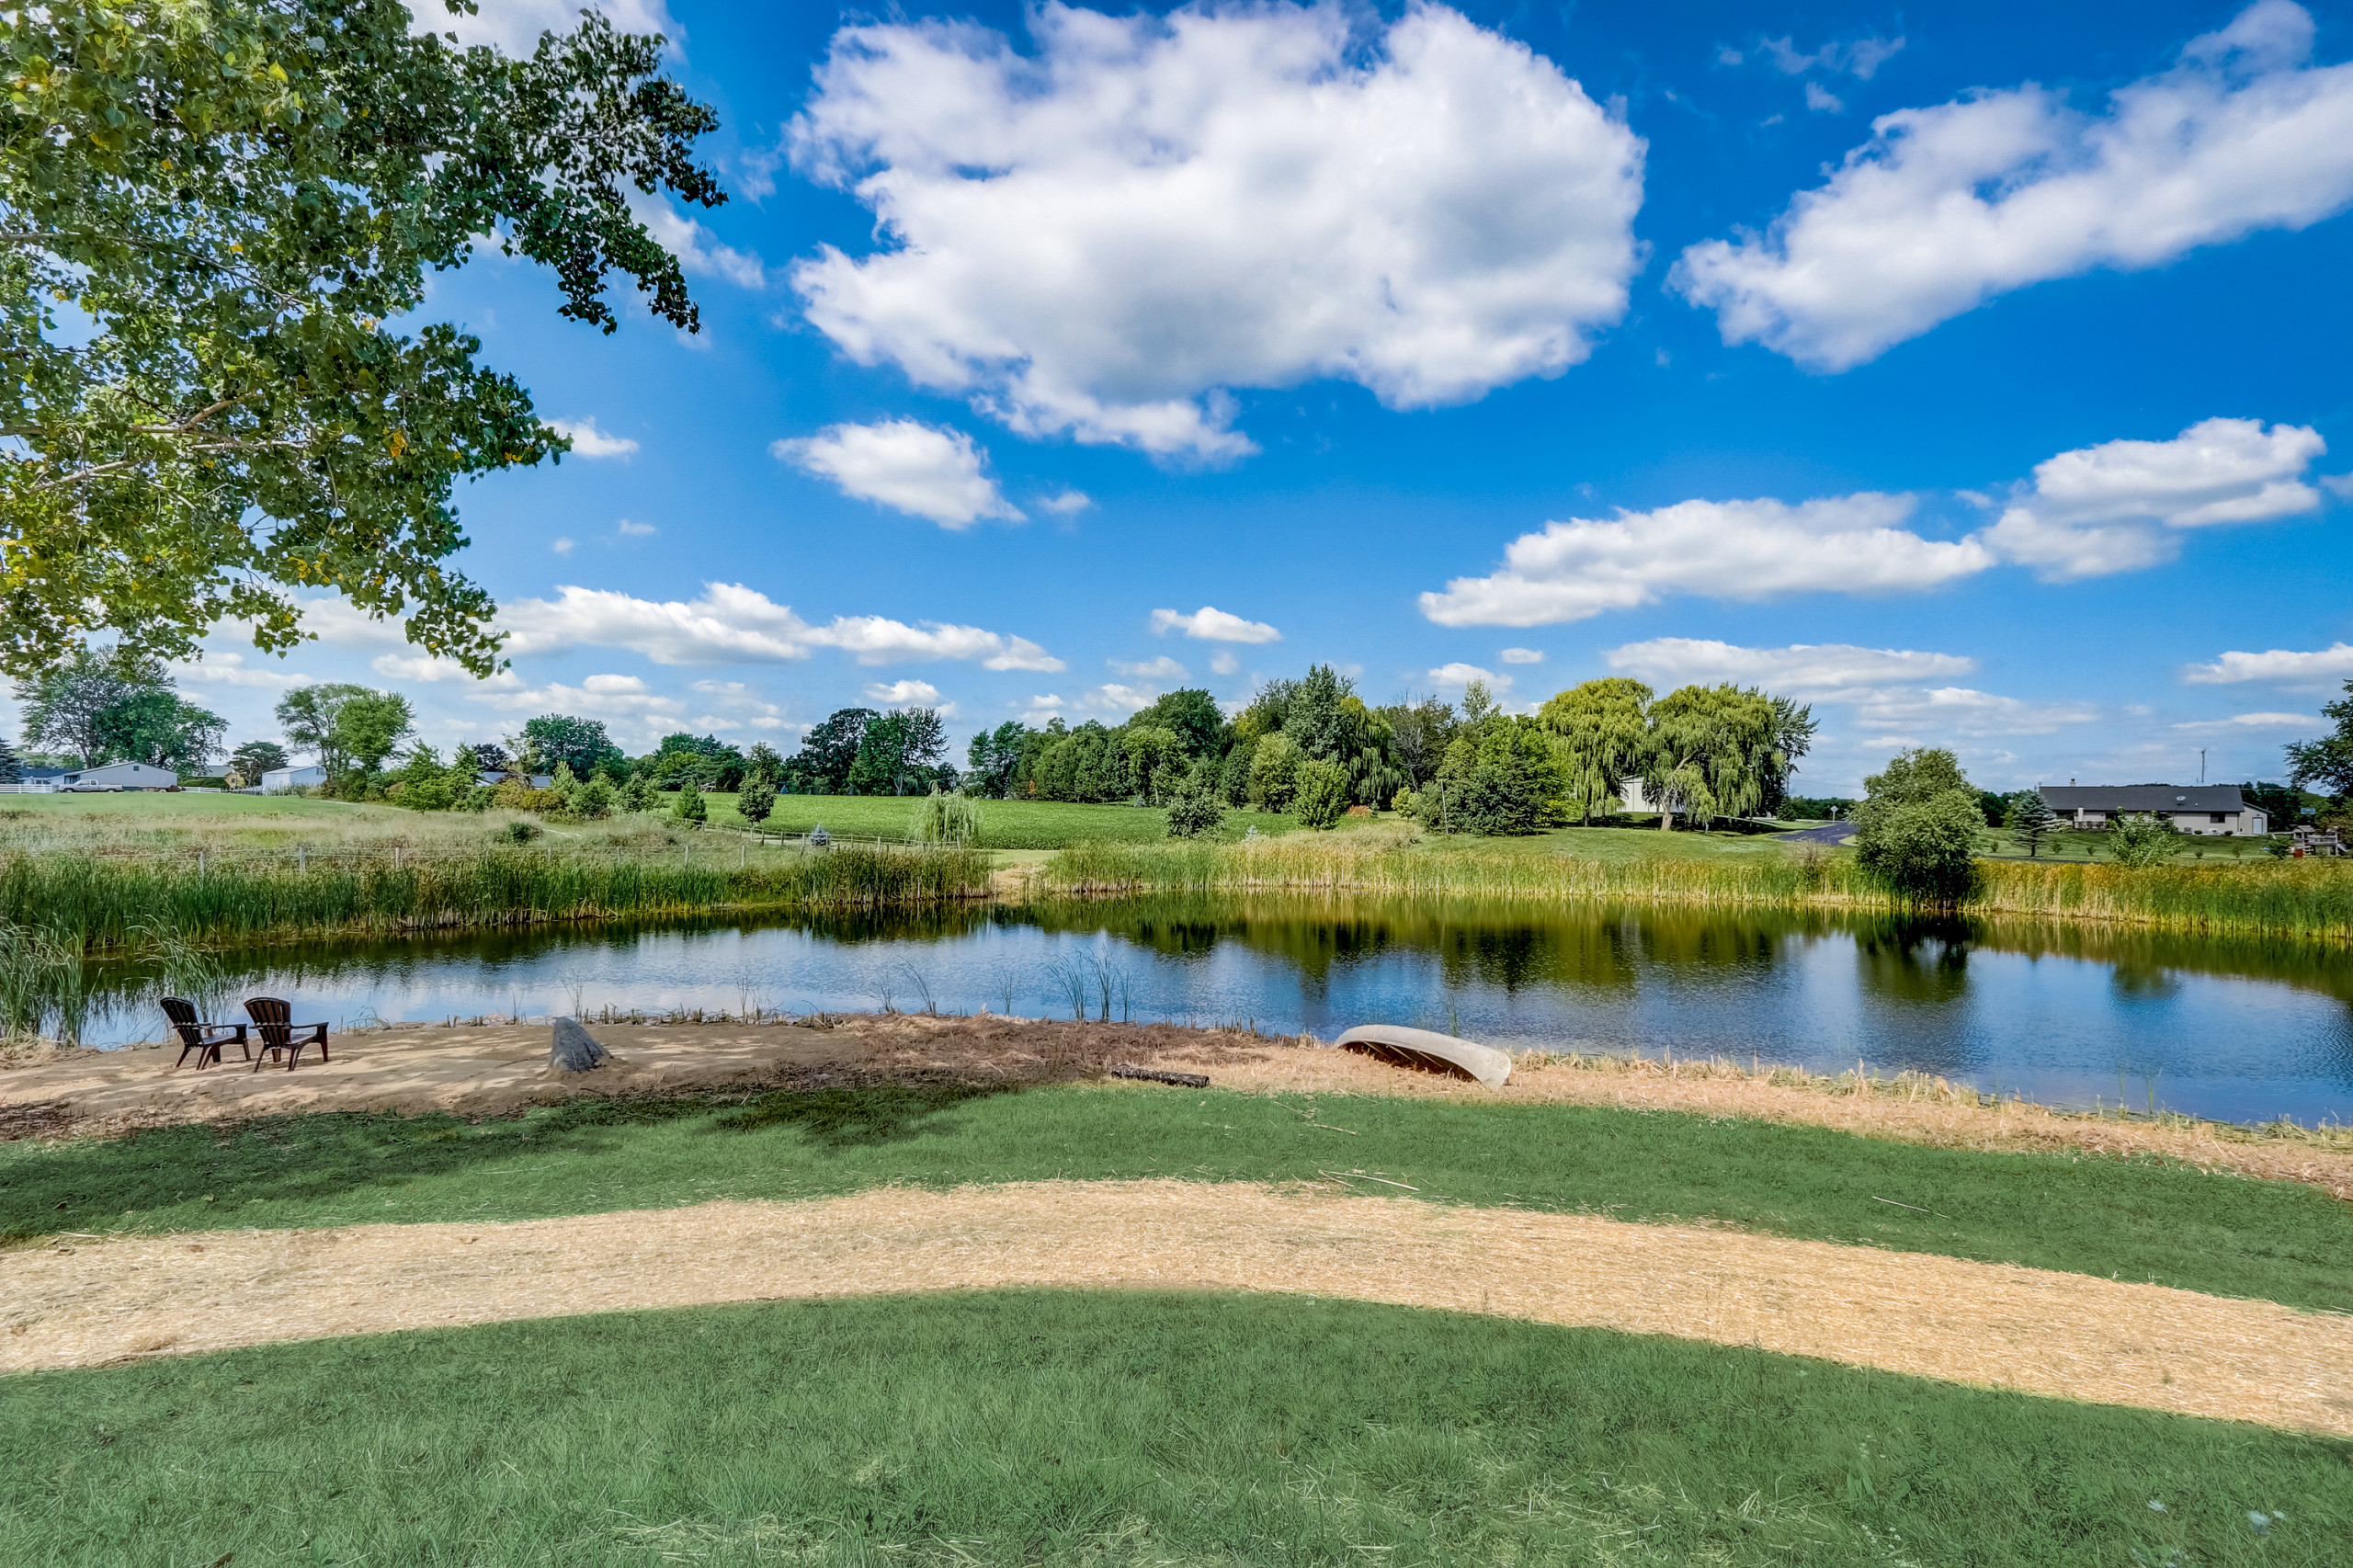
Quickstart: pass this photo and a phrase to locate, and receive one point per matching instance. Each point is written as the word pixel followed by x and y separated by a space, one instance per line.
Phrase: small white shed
pixel 294 777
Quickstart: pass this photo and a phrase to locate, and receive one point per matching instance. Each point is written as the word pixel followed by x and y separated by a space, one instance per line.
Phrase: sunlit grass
pixel 1115 1430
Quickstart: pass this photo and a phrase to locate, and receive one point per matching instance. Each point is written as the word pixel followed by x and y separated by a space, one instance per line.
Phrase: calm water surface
pixel 2238 1030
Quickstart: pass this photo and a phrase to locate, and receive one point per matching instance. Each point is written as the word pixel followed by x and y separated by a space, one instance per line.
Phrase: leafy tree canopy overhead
pixel 208 212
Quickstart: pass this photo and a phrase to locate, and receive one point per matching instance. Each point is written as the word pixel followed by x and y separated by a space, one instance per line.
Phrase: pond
pixel 2066 1014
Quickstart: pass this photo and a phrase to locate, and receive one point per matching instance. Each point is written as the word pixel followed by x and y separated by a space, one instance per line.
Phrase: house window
pixel 2218 816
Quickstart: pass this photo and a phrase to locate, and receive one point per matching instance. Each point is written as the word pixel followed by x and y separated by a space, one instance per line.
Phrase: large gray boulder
pixel 574 1050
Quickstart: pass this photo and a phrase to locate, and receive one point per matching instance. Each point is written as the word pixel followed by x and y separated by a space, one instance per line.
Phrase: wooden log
pixel 1155 1076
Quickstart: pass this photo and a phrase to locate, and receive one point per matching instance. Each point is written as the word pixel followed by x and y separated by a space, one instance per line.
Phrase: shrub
pixel 637 795
pixel 518 832
pixel 1917 832
pixel 947 818
pixel 756 799
pixel 1322 793
pixel 1194 811
pixel 1405 803
pixel 688 810
pixel 593 800
pixel 2143 841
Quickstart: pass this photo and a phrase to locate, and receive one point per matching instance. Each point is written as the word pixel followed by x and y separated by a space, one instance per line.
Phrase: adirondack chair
pixel 205 1039
pixel 269 1015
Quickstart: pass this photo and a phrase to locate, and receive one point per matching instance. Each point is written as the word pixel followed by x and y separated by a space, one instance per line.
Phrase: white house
pixel 119 776
pixel 2211 810
pixel 293 778
pixel 38 781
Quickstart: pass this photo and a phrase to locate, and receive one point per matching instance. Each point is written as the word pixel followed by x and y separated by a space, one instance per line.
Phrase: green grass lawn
pixel 2136 1220
pixel 1004 825
pixel 1114 1430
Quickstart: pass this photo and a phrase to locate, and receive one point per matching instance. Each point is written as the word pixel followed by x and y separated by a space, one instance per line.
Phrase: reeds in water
pixel 2304 898
pixel 105 903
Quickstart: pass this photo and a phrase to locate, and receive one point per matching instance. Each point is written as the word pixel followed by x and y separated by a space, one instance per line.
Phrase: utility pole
pixel 2201 765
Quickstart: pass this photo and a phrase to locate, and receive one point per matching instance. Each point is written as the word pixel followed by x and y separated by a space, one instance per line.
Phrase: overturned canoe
pixel 1430 1052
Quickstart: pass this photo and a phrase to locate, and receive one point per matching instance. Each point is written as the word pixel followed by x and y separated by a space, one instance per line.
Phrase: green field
pixel 1004 825
pixel 2133 1220
pixel 1113 1430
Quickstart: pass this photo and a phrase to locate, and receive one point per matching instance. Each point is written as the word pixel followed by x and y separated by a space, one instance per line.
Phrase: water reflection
pixel 2232 1028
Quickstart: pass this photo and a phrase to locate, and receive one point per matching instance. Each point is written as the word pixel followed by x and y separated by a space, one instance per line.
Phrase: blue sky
pixel 1052 358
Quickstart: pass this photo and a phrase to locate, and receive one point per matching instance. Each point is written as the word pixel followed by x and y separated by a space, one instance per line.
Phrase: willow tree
pixel 1603 732
pixel 209 212
pixel 1710 753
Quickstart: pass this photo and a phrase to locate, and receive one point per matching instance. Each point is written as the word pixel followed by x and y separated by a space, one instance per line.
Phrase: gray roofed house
pixel 2209 809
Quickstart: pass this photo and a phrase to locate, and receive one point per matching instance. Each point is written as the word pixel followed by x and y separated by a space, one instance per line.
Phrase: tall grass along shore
pixel 2308 898
pixel 105 903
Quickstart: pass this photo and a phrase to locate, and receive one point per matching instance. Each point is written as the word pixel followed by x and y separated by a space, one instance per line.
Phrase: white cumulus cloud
pixel 1801 670
pixel 2112 507
pixel 1455 677
pixel 1101 237
pixel 1223 662
pixel 628 529
pixel 1068 503
pixel 699 252
pixel 906 465
pixel 514 26
pixel 1733 549
pixel 2282 667
pixel 1161 668
pixel 1521 656
pixel 1959 710
pixel 1949 205
pixel 730 623
pixel 1213 625
pixel 901 691
pixel 587 441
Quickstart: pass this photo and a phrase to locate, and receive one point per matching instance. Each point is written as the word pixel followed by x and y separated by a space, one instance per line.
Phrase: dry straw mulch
pixel 80 1304
pixel 499 1069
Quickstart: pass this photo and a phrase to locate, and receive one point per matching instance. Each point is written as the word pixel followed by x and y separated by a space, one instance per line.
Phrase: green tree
pixel 2031 818
pixel 765 766
pixel 156 726
pixel 1156 759
pixel 67 705
pixel 1418 734
pixel 1192 715
pixel 2327 763
pixel 1710 754
pixel 689 809
pixel 1274 772
pixel 1497 777
pixel 637 795
pixel 757 800
pixel 307 714
pixel 1916 828
pixel 12 766
pixel 827 756
pixel 1195 810
pixel 230 201
pixel 995 757
pixel 1322 792
pixel 254 758
pixel 559 739
pixel 2142 840
pixel 369 725
pixel 947 818
pixel 593 800
pixel 1604 736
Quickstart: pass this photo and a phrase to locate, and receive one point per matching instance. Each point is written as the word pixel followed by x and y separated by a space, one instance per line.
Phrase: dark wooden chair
pixel 269 1015
pixel 205 1039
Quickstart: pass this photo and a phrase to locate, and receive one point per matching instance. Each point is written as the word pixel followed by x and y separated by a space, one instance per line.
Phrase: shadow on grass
pixel 853 1118
pixel 195 1177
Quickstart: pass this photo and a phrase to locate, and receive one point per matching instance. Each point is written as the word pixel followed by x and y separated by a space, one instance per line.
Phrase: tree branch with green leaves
pixel 209 212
